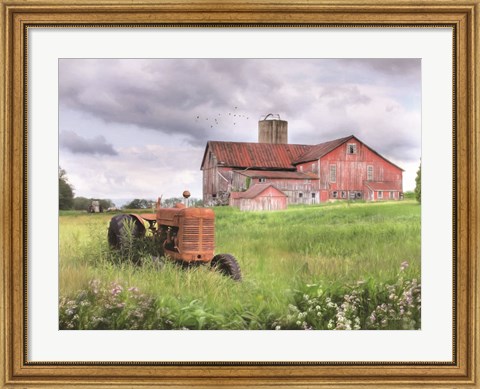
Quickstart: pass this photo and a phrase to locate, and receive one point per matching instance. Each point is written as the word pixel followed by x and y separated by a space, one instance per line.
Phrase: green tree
pixel 170 202
pixel 81 203
pixel 65 191
pixel 194 202
pixel 138 204
pixel 418 185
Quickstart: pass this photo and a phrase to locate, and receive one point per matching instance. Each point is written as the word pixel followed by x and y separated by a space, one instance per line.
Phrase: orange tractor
pixel 186 235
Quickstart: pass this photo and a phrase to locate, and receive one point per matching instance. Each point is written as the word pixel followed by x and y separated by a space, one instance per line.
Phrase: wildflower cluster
pixel 402 310
pixel 114 306
pixel 111 306
pixel 362 306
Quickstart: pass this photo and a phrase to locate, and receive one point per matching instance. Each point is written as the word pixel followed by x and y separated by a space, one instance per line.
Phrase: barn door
pixel 324 196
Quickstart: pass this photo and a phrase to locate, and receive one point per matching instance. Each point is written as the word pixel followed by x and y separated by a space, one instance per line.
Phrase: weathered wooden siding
pixel 351 170
pixel 216 179
pixel 309 167
pixel 386 195
pixel 269 200
pixel 263 204
pixel 209 175
pixel 304 191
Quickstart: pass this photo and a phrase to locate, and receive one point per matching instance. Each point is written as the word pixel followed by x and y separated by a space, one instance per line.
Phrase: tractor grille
pixel 198 234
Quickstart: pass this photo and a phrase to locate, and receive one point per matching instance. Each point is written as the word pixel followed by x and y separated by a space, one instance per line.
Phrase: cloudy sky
pixel 136 128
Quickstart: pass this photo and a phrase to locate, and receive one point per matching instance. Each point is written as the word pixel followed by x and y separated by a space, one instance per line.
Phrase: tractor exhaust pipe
pixel 186 194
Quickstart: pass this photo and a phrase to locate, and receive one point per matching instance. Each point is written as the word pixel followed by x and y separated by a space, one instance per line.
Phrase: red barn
pixel 340 169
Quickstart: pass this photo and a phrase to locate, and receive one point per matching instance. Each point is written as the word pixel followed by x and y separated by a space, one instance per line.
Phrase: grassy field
pixel 329 266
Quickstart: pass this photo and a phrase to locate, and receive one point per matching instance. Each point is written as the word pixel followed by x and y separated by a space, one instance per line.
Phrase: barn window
pixel 370 173
pixel 380 194
pixel 313 195
pixel 335 194
pixel 262 179
pixel 300 194
pixel 392 195
pixel 344 194
pixel 333 173
pixel 351 148
pixel 358 195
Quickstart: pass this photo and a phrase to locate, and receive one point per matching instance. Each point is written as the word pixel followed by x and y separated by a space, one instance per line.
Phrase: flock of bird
pixel 233 117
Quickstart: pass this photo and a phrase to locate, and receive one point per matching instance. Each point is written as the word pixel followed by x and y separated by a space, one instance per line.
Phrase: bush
pixel 418 185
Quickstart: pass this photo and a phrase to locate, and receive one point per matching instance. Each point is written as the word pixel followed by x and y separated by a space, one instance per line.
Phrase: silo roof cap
pixel 272 116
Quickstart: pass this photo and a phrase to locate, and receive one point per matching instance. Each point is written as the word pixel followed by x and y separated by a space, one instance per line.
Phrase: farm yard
pixel 343 265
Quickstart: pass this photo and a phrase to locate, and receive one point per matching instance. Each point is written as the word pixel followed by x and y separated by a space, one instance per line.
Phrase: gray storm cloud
pixel 204 99
pixel 80 145
pixel 160 96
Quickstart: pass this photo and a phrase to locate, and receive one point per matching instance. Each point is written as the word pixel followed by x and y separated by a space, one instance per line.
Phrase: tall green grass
pixel 337 247
pixel 342 242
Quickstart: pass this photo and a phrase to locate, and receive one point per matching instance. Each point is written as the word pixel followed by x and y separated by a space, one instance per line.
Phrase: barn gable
pixel 258 189
pixel 347 169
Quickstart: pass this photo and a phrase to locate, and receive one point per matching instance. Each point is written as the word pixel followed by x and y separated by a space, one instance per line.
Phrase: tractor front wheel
pixel 227 265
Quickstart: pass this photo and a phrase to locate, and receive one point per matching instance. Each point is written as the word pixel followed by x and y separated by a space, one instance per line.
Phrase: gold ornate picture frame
pixel 18 16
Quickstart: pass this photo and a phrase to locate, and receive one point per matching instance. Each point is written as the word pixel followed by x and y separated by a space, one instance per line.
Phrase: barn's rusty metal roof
pixel 254 191
pixel 278 174
pixel 273 156
pixel 318 151
pixel 381 185
pixel 255 155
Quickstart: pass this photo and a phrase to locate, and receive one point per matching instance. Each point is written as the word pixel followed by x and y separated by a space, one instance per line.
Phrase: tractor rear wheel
pixel 120 226
pixel 227 265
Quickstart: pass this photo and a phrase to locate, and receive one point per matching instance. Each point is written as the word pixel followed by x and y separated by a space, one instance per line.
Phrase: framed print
pixel 239 194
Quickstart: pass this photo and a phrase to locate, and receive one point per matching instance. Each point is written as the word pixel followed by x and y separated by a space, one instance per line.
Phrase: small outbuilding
pixel 259 197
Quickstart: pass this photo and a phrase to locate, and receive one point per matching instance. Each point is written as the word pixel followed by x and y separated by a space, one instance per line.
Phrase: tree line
pixel 166 203
pixel 68 201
